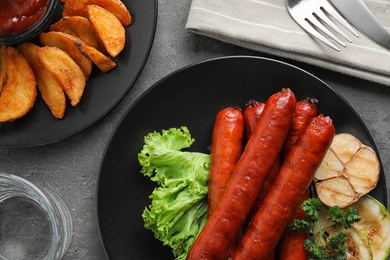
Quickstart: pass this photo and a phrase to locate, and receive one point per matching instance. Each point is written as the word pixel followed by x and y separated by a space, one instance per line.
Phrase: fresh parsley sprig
pixel 333 245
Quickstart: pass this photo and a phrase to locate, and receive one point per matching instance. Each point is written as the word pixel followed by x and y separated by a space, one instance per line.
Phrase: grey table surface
pixel 71 167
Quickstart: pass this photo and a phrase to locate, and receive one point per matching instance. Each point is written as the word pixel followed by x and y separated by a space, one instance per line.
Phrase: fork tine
pixel 320 26
pixel 332 11
pixel 309 28
pixel 326 19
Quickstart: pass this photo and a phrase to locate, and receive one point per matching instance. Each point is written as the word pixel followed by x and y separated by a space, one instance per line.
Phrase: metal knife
pixel 361 17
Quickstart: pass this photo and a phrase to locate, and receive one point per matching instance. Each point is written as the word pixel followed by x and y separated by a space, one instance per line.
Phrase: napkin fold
pixel 266 26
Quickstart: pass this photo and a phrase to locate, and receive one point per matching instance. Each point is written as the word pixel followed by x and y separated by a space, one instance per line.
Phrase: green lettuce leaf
pixel 178 210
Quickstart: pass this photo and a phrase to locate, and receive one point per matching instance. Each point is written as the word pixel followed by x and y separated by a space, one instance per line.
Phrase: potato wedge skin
pixel 19 93
pixel 103 62
pixel 81 28
pixel 68 73
pixel 109 29
pixel 51 90
pixel 60 40
pixel 78 7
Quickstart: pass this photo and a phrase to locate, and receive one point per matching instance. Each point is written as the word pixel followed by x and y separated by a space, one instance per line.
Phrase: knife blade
pixel 358 14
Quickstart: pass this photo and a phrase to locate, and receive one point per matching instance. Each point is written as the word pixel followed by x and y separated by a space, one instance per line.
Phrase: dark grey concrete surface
pixel 71 167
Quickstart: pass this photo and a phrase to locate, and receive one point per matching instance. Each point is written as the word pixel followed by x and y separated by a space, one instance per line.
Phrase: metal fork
pixel 312 15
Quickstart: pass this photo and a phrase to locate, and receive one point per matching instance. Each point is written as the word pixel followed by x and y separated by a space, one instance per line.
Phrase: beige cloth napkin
pixel 266 26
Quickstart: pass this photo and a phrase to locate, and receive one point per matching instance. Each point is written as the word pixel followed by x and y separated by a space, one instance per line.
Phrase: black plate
pixel 102 93
pixel 191 97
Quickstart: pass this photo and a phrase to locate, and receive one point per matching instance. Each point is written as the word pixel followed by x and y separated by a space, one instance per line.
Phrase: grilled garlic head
pixel 349 170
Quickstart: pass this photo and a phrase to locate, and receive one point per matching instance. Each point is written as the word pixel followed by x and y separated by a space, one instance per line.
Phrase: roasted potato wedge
pixel 109 28
pixel 65 69
pixel 20 91
pixel 79 7
pixel 51 91
pixel 79 27
pixel 3 73
pixel 65 43
pixel 103 62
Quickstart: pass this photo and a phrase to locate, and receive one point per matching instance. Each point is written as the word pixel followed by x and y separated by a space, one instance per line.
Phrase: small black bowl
pixel 34 30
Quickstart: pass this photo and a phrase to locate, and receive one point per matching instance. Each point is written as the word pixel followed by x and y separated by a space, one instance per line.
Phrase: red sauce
pixel 17 16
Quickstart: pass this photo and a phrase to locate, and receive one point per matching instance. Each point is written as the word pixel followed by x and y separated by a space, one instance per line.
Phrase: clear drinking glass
pixel 34 223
